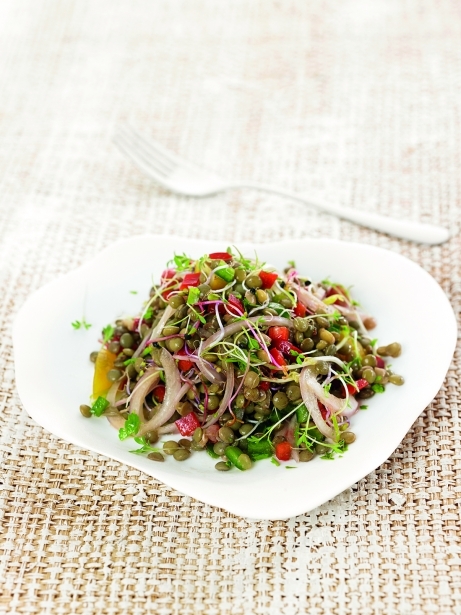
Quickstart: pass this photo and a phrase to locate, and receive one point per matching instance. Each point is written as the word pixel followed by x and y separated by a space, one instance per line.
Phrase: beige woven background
pixel 358 101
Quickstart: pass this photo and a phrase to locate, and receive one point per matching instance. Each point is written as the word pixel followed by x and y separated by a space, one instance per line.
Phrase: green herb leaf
pixel 133 292
pixel 193 296
pixel 148 313
pixel 275 461
pixel 363 407
pixel 107 333
pixel 253 344
pixel 99 406
pixel 145 447
pixel 182 262
pixel 290 467
pixel 131 427
pixel 292 264
pixel 378 388
pixel 77 324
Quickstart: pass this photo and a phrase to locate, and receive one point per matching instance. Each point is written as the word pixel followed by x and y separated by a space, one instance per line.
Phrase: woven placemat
pixel 356 101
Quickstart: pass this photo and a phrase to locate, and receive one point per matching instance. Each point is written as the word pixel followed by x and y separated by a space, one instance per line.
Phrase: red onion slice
pixel 117 421
pixel 235 327
pixel 173 393
pixel 144 385
pixel 225 399
pixel 309 388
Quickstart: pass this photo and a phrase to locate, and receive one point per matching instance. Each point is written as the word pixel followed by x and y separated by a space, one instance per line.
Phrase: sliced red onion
pixel 209 372
pixel 143 344
pixel 157 330
pixel 309 389
pixel 167 428
pixel 173 393
pixel 352 408
pixel 225 399
pixel 112 393
pixel 312 302
pixel 145 384
pixel 235 327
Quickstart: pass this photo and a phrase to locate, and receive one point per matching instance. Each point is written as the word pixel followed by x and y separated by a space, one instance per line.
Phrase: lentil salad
pixel 242 362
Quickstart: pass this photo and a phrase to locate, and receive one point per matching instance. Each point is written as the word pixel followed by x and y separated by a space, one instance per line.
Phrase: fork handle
pixel 405 229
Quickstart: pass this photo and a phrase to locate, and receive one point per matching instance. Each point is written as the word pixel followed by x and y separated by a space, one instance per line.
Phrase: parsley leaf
pixel 193 296
pixel 145 447
pixel 107 333
pixel 148 313
pixel 131 427
pixel 77 324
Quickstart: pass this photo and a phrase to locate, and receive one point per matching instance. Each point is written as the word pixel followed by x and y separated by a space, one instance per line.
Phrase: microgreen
pixel 107 333
pixel 181 261
pixel 275 461
pixel 193 295
pixel 81 324
pixel 145 447
pixel 131 427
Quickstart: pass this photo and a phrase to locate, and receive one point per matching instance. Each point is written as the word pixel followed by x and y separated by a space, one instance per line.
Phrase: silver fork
pixel 183 177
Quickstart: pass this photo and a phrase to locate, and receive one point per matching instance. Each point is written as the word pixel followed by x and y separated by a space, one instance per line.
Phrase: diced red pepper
pixel 168 274
pixel 380 363
pixel 264 385
pixel 267 278
pixel 190 279
pixel 159 392
pixel 184 364
pixel 187 424
pixel 278 333
pixel 283 451
pixel 361 384
pixel 323 410
pixel 235 306
pixel 277 357
pixel 300 310
pixel 286 347
pixel 224 256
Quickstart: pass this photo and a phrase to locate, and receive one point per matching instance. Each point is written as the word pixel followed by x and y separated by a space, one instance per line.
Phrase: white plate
pixel 54 375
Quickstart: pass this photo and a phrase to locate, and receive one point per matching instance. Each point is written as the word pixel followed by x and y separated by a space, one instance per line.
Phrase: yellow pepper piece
pixel 104 363
pixel 217 283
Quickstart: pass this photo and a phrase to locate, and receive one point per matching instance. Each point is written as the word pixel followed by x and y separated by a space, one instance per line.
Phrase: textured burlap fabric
pixel 358 101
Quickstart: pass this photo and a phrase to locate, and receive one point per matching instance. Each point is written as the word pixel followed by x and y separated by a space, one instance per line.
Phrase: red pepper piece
pixel 300 310
pixel 265 386
pixel 359 385
pixel 187 424
pixel 190 279
pixel 184 364
pixel 159 392
pixel 323 410
pixel 268 279
pixel 277 357
pixel 224 256
pixel 235 306
pixel 283 451
pixel 168 274
pixel 380 363
pixel 286 347
pixel 278 333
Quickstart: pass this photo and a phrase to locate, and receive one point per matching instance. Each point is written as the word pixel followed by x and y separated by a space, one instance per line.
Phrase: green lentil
pixel 85 411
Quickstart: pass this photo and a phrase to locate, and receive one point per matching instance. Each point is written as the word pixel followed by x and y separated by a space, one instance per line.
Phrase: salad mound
pixel 241 361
